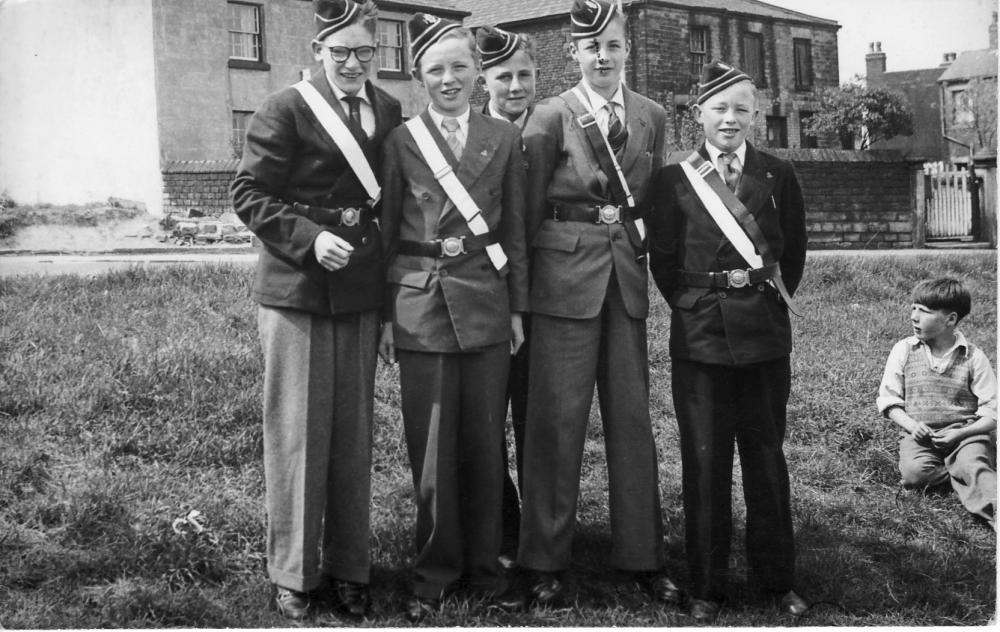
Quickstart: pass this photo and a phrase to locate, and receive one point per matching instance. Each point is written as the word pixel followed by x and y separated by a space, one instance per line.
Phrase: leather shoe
pixel 511 600
pixel 351 598
pixel 546 590
pixel 419 608
pixel 704 612
pixel 659 586
pixel 793 604
pixel 292 604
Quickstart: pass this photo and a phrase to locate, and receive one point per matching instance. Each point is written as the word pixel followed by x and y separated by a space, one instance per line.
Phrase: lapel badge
pixel 768 175
pixel 484 153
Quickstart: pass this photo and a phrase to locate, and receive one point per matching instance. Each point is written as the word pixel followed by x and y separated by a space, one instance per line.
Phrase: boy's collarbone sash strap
pixel 735 221
pixel 579 105
pixel 453 188
pixel 343 137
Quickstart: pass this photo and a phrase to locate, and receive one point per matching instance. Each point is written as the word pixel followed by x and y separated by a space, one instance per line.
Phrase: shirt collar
pixel 960 341
pixel 495 113
pixel 597 101
pixel 340 94
pixel 714 153
pixel 437 117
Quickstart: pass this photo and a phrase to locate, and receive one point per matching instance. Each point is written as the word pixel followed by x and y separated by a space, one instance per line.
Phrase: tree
pixel 973 119
pixel 858 111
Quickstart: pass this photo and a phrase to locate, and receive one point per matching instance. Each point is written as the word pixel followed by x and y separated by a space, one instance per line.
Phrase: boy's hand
pixel 332 252
pixel 946 439
pixel 386 347
pixel 517 333
pixel 921 431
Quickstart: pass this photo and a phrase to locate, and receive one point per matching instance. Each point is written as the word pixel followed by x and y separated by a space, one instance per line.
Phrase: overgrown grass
pixel 129 399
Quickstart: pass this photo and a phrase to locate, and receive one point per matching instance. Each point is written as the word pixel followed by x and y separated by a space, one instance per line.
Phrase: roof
pixel 515 11
pixel 444 8
pixel 970 64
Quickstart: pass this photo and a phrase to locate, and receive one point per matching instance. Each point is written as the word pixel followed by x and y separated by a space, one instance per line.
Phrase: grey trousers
pixel 319 377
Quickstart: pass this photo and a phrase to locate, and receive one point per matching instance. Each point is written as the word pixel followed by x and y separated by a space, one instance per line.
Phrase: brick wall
pixel 198 184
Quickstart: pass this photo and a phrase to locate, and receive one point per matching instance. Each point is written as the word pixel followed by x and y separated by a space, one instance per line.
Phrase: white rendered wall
pixel 78 102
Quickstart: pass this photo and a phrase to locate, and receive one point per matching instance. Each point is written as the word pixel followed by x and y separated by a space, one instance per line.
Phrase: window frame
pixel 803 63
pixel 237 137
pixel 390 73
pixel 758 38
pixel 260 63
pixel 806 140
pixel 704 54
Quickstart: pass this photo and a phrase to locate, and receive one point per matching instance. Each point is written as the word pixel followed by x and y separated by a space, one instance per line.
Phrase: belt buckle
pixel 609 214
pixel 738 278
pixel 452 246
pixel 350 217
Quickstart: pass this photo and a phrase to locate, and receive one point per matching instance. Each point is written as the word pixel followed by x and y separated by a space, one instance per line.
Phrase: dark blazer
pixel 529 110
pixel 571 262
pixel 291 169
pixel 737 326
pixel 456 303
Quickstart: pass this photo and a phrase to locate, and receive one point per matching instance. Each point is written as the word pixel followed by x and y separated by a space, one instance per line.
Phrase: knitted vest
pixel 940 399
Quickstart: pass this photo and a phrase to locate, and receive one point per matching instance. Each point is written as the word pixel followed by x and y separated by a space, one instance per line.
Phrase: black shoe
pixel 511 600
pixel 704 612
pixel 659 586
pixel 793 604
pixel 546 590
pixel 292 604
pixel 350 598
pixel 419 608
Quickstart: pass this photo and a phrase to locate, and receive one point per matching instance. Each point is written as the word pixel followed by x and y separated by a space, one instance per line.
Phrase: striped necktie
pixel 451 126
pixel 617 134
pixel 729 167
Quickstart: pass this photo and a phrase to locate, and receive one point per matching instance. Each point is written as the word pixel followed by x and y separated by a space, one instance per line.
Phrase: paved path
pixel 19 264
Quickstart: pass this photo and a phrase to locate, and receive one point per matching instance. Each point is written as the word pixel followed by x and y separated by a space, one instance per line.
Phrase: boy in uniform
pixel 508 62
pixel 306 186
pixel 591 152
pixel 727 250
pixel 453 235
pixel 942 393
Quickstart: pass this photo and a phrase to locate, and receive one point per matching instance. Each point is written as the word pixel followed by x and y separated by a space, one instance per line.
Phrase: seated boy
pixel 941 391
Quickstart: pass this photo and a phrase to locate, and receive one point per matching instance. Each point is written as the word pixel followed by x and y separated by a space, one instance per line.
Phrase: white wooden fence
pixel 948 201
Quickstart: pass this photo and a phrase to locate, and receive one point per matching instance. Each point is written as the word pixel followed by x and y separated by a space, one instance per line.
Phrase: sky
pixel 915 34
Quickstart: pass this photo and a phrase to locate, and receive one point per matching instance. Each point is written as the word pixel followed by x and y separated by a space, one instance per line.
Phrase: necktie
pixel 451 126
pixel 617 134
pixel 729 167
pixel 354 118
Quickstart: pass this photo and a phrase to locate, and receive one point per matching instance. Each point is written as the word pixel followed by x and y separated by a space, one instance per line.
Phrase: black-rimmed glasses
pixel 340 54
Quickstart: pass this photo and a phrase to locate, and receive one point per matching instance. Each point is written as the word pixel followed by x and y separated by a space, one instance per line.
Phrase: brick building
pixel 791 55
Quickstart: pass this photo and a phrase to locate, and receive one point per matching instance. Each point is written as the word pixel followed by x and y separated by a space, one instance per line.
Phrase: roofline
pixel 807 20
pixel 429 6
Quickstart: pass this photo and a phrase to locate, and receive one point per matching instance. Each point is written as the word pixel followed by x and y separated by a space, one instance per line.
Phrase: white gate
pixel 948 201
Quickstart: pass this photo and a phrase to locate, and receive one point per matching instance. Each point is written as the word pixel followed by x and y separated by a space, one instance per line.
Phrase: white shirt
pixel 714 153
pixel 891 391
pixel 597 103
pixel 367 111
pixel 519 121
pixel 463 123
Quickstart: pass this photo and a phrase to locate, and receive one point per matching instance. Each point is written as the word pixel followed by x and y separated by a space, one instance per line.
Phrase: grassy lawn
pixel 129 399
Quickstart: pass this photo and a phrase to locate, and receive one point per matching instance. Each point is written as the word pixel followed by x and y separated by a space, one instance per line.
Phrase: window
pixel 806 140
pixel 752 45
pixel 777 131
pixel 245 32
pixel 961 108
pixel 391 52
pixel 699 49
pixel 803 64
pixel 240 120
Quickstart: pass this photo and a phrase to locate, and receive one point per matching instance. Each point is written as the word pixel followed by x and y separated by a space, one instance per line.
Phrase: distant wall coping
pixel 199 166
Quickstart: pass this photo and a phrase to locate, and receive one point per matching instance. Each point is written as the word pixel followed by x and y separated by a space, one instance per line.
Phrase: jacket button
pixel 364 240
pixel 760 287
pixel 617 237
pixel 722 295
pixel 426 196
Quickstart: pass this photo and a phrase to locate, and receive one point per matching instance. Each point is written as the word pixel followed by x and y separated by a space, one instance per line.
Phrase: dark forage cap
pixel 590 17
pixel 333 15
pixel 716 77
pixel 425 31
pixel 496 45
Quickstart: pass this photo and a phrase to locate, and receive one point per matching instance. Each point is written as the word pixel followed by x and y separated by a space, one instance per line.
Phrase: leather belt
pixel 346 216
pixel 607 214
pixel 446 246
pixel 727 279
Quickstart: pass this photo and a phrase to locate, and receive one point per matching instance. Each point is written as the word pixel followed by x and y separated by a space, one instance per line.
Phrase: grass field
pixel 129 399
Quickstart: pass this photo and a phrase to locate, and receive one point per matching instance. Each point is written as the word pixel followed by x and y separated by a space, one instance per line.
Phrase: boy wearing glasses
pixel 307 188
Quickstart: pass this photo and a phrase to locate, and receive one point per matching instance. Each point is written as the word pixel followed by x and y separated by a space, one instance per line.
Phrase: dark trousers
pixel 718 407
pixel 568 357
pixel 517 395
pixel 453 417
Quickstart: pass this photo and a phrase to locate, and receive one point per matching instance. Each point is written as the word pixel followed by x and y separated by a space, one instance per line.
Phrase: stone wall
pixel 198 184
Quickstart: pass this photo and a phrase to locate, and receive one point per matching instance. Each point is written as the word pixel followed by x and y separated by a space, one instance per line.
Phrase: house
pixel 104 98
pixel 791 55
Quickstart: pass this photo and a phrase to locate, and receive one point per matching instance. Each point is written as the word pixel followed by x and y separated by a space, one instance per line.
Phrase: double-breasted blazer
pixel 290 174
pixel 571 262
pixel 731 326
pixel 455 303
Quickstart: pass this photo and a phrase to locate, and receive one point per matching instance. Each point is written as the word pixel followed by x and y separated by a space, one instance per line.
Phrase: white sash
pixel 640 226
pixel 725 220
pixel 457 193
pixel 343 137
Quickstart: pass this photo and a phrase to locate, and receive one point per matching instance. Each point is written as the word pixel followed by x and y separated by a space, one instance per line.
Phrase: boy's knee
pixel 917 475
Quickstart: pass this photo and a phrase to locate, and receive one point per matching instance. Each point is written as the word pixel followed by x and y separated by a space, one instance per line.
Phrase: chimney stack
pixel 874 61
pixel 993 32
pixel 948 58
